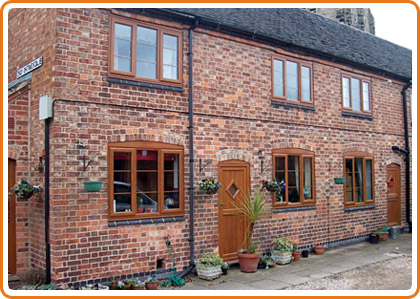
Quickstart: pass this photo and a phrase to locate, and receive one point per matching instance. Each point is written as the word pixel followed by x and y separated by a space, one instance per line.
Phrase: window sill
pixel 293 209
pixel 144 84
pixel 353 114
pixel 291 105
pixel 146 221
pixel 351 209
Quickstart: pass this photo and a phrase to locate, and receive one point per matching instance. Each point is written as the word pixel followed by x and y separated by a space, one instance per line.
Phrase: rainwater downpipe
pixel 47 202
pixel 191 140
pixel 407 156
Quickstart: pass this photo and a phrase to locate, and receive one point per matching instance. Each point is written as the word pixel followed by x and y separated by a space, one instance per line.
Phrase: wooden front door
pixel 12 218
pixel 235 180
pixel 394 194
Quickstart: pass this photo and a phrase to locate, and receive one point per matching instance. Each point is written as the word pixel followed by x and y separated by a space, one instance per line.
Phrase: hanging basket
pixel 94 186
pixel 339 181
pixel 25 195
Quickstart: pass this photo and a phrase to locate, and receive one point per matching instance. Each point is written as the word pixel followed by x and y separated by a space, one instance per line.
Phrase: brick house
pixel 276 93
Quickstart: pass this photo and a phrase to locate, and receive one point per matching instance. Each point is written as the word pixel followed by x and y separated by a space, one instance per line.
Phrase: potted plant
pixel 92 186
pixel 24 190
pixel 252 209
pixel 209 186
pixel 296 254
pixel 339 181
pixel 319 249
pixel 152 283
pixel 281 252
pixel 209 266
pixel 225 267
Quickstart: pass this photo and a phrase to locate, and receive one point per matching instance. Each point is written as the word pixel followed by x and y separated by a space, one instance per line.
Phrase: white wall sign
pixel 29 67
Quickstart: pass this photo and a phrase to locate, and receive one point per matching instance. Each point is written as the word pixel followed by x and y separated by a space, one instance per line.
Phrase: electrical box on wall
pixel 45 107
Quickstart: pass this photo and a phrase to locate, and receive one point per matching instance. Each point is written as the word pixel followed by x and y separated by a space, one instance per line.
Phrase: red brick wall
pixel 234 120
pixel 32 34
pixel 18 142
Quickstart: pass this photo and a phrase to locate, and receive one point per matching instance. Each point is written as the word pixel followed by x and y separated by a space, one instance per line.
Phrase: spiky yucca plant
pixel 252 208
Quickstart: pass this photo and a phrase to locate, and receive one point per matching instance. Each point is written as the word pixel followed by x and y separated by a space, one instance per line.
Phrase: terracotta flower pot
pixel 296 255
pixel 248 262
pixel 152 285
pixel 319 249
pixel 383 236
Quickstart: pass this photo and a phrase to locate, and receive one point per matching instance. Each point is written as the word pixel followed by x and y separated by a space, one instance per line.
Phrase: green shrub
pixel 211 259
pixel 283 244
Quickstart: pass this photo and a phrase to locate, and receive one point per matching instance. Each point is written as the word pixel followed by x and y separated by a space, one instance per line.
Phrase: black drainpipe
pixel 47 202
pixel 407 157
pixel 191 139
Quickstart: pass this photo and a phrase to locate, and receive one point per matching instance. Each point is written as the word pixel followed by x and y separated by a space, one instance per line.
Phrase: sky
pixel 396 23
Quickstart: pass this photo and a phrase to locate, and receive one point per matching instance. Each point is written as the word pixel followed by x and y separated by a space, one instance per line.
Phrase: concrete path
pixel 309 269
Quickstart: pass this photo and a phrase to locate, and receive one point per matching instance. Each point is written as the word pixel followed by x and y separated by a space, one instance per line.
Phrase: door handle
pixel 221 204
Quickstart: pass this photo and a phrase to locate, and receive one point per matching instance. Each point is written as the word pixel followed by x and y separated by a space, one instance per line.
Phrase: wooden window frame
pixel 302 154
pixel 364 156
pixel 161 31
pixel 133 147
pixel 362 80
pixel 300 63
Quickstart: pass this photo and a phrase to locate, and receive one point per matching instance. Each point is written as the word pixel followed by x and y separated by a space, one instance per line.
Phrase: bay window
pixel 145 180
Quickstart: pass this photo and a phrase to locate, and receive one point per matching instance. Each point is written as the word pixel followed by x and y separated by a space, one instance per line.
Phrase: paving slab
pixel 290 279
pixel 268 284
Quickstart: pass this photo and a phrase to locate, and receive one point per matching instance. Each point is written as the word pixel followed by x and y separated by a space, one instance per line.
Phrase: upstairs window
pixel 359 174
pixel 292 80
pixel 145 52
pixel 356 94
pixel 294 167
pixel 145 180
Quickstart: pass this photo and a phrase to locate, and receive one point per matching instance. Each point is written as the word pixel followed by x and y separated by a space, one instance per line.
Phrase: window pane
pixel 358 164
pixel 349 165
pixel 146 53
pixel 147 181
pixel 369 194
pixel 306 83
pixel 279 163
pixel 366 99
pixel 122 161
pixel 122 64
pixel 171 161
pixel 359 194
pixel 146 70
pixel 171 181
pixel 171 200
pixel 307 178
pixel 170 72
pixel 278 78
pixel 123 31
pixel 170 57
pixel 147 202
pixel 170 42
pixel 294 195
pixel 279 176
pixel 369 174
pixel 355 94
pixel 293 162
pixel 122 48
pixel 346 92
pixel 146 36
pixel 122 181
pixel 146 160
pixel 292 80
pixel 122 202
pixel 349 195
